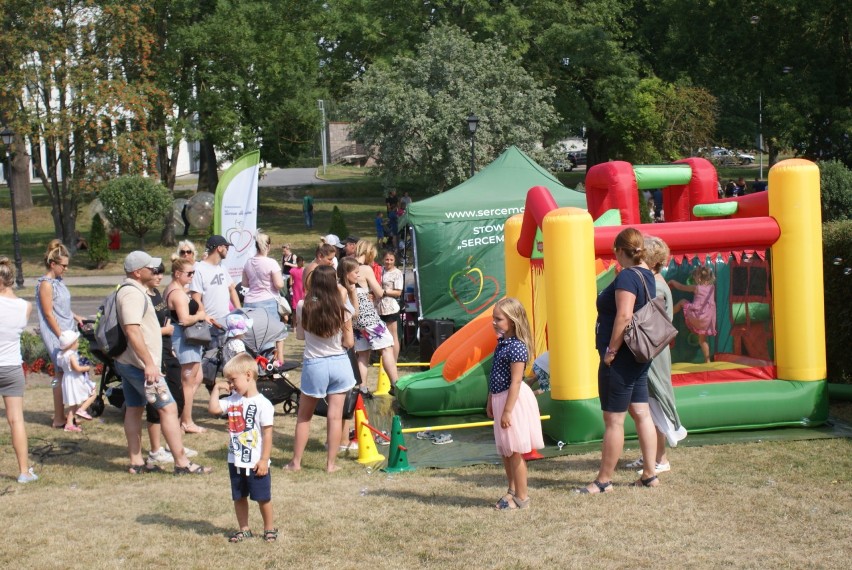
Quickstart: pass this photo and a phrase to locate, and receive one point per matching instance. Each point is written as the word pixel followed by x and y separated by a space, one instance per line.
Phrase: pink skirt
pixel 524 434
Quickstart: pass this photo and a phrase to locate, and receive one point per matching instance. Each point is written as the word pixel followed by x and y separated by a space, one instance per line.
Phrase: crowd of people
pixel 345 307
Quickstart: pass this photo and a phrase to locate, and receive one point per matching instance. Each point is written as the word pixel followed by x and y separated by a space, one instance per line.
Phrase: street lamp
pixel 8 136
pixel 472 123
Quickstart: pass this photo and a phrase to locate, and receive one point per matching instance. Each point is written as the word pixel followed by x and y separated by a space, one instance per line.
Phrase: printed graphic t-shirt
pixel 246 417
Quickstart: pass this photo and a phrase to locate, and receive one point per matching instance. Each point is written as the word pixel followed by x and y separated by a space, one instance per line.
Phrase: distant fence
pixel 349 153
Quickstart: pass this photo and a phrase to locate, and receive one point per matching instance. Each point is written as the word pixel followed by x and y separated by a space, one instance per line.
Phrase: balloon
pixel 200 212
pixel 176 211
pixel 95 207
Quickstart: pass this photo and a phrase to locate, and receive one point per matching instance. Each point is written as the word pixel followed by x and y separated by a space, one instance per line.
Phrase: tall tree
pixel 73 101
pixel 414 111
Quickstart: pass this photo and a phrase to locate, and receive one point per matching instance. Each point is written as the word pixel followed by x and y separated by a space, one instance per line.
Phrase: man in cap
pixel 139 366
pixel 212 285
pixel 349 246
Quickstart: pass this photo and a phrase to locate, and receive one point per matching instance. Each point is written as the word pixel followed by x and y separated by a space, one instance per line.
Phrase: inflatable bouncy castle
pixel 768 359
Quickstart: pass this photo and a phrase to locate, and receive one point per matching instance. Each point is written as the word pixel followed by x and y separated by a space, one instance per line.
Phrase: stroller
pixel 260 339
pixel 110 383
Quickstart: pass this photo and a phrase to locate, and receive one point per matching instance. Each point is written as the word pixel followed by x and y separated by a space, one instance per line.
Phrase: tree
pixel 135 204
pixel 98 244
pixel 72 100
pixel 337 224
pixel 413 112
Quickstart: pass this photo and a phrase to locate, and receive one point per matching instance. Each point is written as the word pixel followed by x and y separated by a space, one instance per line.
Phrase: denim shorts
pixel 246 483
pixel 186 353
pixel 623 383
pixel 133 384
pixel 327 375
pixel 269 305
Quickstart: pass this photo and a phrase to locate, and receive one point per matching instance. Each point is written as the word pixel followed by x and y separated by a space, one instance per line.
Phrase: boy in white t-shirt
pixel 250 417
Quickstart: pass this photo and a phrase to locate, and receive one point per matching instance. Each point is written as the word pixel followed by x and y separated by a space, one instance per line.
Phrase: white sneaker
pixel 161 456
pixel 660 468
pixel 634 464
pixel 186 451
pixel 28 477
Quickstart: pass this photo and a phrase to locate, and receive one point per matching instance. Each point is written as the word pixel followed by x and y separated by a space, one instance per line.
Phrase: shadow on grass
pixel 196 526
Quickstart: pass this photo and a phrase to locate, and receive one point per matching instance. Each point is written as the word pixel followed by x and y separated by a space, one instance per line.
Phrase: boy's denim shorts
pixel 246 483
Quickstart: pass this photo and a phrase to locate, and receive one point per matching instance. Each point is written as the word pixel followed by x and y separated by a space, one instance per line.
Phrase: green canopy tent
pixel 458 235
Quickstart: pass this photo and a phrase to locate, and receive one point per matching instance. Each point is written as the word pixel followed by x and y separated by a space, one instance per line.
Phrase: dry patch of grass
pixel 770 504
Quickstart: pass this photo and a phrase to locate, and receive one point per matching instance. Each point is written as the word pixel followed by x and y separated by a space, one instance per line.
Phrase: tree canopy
pixel 414 111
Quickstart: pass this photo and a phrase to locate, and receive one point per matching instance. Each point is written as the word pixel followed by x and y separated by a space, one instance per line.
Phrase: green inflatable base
pixel 428 394
pixel 703 408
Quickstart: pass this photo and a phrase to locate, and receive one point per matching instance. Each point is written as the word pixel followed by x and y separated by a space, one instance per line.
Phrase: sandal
pixel 144 468
pixel 649 482
pixel 510 494
pixel 240 536
pixel 193 469
pixel 422 434
pixel 192 428
pixel 442 438
pixel 519 504
pixel 504 505
pixel 270 535
pixel 602 488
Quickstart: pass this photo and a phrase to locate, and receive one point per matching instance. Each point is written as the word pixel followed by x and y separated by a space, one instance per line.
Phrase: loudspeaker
pixel 433 332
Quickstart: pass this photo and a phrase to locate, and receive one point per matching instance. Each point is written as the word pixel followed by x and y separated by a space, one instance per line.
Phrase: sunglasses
pixel 185 251
pixel 188 273
pixel 156 270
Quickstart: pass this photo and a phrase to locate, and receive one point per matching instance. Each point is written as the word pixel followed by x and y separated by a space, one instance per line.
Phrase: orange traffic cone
pixel 367 452
pixel 383 385
pixel 532 455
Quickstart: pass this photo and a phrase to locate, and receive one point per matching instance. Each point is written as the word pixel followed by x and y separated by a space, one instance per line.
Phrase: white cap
pixel 332 239
pixel 136 260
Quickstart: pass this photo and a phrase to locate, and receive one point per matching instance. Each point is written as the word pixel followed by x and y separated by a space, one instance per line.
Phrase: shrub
pixel 338 224
pixel 837 248
pixel 98 244
pixel 836 189
pixel 32 347
pixel 136 205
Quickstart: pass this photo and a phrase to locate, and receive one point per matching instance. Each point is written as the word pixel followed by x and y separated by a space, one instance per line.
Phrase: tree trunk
pixel 19 175
pixel 208 176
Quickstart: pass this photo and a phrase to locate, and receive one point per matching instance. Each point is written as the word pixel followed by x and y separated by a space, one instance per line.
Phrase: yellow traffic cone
pixel 384 384
pixel 367 452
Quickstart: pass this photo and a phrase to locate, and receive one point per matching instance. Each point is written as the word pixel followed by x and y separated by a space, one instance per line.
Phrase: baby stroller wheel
pixel 291 404
pixel 97 407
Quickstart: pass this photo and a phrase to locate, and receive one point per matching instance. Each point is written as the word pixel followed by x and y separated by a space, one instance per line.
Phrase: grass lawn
pixel 752 505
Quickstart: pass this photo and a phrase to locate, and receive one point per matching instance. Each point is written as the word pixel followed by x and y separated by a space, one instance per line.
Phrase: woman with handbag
pixel 186 313
pixel 324 322
pixel 622 380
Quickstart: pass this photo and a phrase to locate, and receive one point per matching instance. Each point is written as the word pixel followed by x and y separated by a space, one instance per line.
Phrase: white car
pixel 724 156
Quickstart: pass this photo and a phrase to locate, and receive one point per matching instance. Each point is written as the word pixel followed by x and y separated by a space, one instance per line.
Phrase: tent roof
pixel 502 184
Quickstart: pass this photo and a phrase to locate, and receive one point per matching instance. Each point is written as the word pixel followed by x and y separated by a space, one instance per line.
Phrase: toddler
pixel 236 324
pixel 250 417
pixel 78 392
pixel 700 314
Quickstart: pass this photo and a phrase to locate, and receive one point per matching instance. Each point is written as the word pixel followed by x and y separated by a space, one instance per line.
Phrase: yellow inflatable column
pixel 797 286
pixel 518 282
pixel 570 281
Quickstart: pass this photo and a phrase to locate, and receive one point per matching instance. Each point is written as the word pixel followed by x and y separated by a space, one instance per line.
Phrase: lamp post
pixel 8 136
pixel 472 124
pixel 321 106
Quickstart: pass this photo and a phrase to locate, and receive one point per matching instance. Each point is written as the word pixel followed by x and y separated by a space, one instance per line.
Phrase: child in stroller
pixel 114 394
pixel 259 340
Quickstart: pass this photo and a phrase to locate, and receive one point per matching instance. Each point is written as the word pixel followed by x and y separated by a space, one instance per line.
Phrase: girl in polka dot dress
pixel 511 402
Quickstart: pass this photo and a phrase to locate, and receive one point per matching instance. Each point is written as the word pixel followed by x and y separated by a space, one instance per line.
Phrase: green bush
pixel 836 189
pixel 136 205
pixel 98 243
pixel 837 249
pixel 32 347
pixel 338 224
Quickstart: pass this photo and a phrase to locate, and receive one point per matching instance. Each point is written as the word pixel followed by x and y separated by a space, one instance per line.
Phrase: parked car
pixel 723 156
pixel 569 162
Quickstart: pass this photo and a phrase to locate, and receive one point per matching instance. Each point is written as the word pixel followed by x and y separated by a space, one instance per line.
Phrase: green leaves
pixel 413 112
pixel 135 204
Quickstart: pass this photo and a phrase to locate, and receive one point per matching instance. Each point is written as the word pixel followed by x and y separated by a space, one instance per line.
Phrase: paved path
pixel 291 177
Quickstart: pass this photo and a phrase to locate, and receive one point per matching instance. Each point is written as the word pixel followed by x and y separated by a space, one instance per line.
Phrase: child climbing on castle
pixel 700 314
pixel 517 423
pixel 78 392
